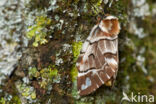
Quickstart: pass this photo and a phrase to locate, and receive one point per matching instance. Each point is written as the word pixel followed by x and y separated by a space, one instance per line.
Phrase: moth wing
pixel 97 63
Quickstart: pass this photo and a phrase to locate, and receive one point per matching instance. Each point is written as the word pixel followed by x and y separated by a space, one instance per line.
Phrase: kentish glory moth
pixel 98 61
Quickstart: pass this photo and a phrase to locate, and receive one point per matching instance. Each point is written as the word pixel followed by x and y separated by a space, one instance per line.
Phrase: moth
pixel 98 60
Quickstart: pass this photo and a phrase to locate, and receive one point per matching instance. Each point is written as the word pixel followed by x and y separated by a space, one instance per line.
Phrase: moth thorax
pixel 110 25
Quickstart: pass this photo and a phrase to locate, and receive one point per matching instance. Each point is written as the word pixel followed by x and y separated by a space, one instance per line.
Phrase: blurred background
pixel 40 41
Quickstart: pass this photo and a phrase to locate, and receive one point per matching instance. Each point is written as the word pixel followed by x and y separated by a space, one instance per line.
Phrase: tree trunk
pixel 40 41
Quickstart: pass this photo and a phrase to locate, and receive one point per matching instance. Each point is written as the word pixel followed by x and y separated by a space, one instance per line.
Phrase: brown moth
pixel 98 61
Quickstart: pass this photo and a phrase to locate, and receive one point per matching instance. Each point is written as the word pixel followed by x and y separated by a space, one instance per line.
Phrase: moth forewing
pixel 98 61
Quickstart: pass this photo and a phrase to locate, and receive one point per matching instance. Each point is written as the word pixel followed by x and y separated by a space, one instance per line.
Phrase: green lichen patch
pixel 15 100
pixel 74 73
pixel 26 91
pixel 76 47
pixel 47 75
pixel 38 31
pixel 10 99
pixel 2 100
pixel 33 73
pixel 48 72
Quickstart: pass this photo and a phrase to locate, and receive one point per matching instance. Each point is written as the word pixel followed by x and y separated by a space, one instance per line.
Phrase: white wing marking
pixel 87 84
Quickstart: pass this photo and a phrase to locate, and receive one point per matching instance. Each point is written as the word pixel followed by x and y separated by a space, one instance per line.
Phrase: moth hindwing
pixel 98 61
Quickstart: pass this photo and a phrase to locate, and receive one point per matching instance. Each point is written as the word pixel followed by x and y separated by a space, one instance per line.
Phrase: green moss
pixel 15 100
pixel 53 71
pixel 138 85
pixel 33 95
pixel 48 75
pixel 38 30
pixel 26 91
pixel 76 47
pixel 33 72
pixel 49 72
pixel 2 100
pixel 74 73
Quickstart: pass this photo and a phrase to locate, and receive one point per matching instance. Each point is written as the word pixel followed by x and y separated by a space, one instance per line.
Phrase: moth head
pixel 110 25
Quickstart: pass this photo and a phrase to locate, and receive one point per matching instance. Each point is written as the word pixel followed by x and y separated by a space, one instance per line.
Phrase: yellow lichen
pixel 76 51
pixel 38 30
pixel 2 101
pixel 74 73
pixel 48 75
pixel 76 46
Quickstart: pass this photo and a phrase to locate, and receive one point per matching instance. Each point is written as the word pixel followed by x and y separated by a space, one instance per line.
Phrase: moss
pixel 48 72
pixel 53 72
pixel 2 100
pixel 38 31
pixel 66 22
pixel 26 91
pixel 33 95
pixel 138 85
pixel 74 73
pixel 33 73
pixel 48 75
pixel 76 46
pixel 15 100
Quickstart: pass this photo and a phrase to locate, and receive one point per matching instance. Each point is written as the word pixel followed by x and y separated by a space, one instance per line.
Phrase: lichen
pixel 74 73
pixel 16 100
pixel 11 35
pixel 141 8
pixel 33 72
pixel 76 47
pixel 39 31
pixel 2 100
pixel 26 92
pixel 62 26
pixel 48 75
